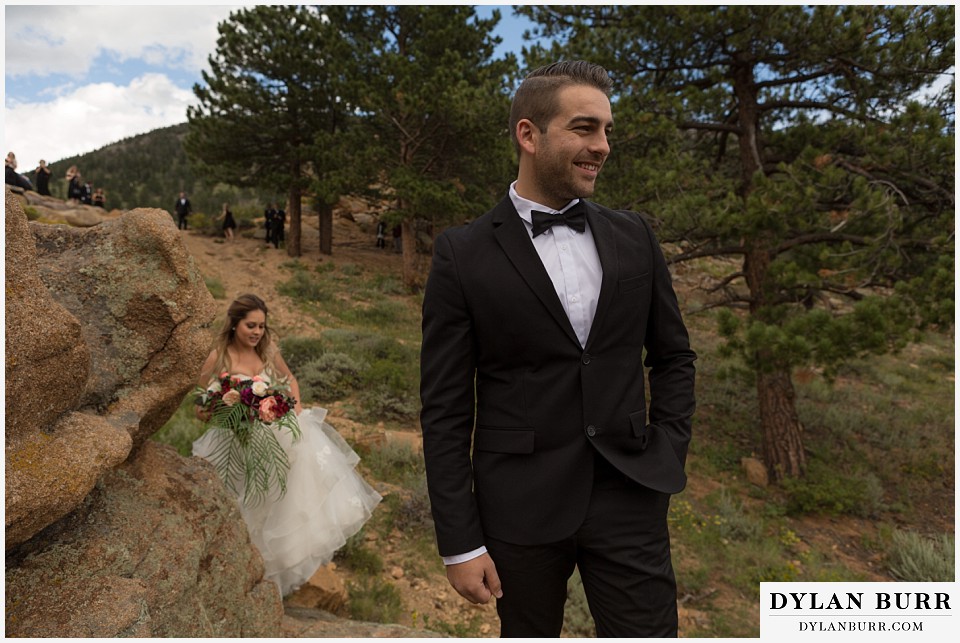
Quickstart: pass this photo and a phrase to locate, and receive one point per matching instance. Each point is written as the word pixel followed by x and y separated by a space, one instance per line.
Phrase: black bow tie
pixel 575 217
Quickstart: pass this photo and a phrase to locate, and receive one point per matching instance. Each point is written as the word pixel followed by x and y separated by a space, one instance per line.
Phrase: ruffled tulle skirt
pixel 326 502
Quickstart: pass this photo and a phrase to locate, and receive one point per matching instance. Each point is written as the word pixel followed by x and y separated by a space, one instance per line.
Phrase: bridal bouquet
pixel 248 412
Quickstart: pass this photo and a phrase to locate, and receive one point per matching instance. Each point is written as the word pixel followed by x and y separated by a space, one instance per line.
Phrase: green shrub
pixel 304 287
pixel 374 600
pixel 357 557
pixel 383 404
pixel 182 428
pixel 215 287
pixel 382 313
pixel 469 630
pixel 351 270
pixel 914 558
pixel 577 620
pixel 396 463
pixel 732 520
pixel 388 284
pixel 825 490
pixel 332 376
pixel 297 351
pixel 408 510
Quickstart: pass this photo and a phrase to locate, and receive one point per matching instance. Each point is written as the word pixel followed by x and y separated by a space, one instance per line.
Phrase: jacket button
pixel 586 358
pixel 591 430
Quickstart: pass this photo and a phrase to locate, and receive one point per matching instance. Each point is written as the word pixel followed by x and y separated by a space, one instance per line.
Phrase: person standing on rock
pixel 183 209
pixel 42 174
pixel 74 184
pixel 326 500
pixel 542 453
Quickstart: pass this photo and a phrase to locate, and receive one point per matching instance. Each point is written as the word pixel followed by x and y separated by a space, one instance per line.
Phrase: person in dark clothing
pixel 86 195
pixel 545 322
pixel 74 185
pixel 11 177
pixel 268 215
pixel 183 210
pixel 276 234
pixel 229 223
pixel 42 174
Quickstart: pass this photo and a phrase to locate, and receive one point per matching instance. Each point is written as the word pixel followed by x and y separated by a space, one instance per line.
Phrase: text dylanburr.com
pixel 858 611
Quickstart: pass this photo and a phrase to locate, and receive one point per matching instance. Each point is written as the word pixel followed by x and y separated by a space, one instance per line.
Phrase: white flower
pixel 259 388
pixel 214 387
pixel 322 456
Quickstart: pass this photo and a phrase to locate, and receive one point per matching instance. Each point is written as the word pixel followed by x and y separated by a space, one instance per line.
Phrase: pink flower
pixel 257 378
pixel 231 397
pixel 223 374
pixel 268 409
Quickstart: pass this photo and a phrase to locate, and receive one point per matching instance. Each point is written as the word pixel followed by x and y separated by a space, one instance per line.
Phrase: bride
pixel 326 501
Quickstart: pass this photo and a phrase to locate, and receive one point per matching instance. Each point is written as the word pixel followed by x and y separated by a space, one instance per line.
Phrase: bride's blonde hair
pixel 240 308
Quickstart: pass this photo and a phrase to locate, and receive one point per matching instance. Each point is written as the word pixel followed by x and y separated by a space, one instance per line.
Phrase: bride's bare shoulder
pixel 206 371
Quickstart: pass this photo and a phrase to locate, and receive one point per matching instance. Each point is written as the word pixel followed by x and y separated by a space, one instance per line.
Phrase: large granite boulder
pixel 105 328
pixel 158 549
pixel 108 533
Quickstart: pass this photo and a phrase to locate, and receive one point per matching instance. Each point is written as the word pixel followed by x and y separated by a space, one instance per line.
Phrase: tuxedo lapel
pixel 512 235
pixel 606 242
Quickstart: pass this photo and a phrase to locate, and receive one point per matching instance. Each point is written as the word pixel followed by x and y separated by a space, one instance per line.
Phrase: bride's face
pixel 250 330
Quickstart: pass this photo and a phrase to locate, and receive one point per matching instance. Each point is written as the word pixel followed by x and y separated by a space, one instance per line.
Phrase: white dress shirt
pixel 573 264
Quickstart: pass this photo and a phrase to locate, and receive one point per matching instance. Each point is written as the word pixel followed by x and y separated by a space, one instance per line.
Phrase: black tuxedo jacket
pixel 504 377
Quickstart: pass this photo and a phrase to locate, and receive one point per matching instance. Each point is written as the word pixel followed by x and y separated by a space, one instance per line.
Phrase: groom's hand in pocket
pixel 476 580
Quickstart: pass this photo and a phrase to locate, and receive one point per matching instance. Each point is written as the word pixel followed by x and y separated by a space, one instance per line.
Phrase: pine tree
pixel 435 108
pixel 272 90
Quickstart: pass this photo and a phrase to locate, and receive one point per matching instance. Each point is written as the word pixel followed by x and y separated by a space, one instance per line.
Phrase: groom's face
pixel 573 147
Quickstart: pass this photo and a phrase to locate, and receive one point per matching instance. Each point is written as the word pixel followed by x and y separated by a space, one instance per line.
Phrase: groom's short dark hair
pixel 535 98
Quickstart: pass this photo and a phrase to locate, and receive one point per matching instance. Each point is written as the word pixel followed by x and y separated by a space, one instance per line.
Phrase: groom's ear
pixel 527 135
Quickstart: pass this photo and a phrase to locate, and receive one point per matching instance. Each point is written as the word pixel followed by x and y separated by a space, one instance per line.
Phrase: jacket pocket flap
pixel 504 440
pixel 641 431
pixel 632 283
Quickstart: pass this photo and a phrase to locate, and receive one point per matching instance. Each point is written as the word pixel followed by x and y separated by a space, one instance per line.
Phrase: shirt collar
pixel 525 206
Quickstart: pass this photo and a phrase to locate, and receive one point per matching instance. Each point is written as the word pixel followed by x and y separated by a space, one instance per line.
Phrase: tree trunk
pixel 780 427
pixel 408 241
pixel 326 227
pixel 292 240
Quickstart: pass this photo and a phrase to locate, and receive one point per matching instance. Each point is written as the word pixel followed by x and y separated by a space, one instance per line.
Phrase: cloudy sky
pixel 78 77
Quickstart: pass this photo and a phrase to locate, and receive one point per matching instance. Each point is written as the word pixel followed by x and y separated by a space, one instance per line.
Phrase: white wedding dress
pixel 326 502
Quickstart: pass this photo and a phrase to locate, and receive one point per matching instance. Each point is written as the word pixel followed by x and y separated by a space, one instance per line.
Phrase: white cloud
pixel 43 40
pixel 91 116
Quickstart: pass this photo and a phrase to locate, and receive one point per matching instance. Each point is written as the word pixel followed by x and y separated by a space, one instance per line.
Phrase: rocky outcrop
pixel 108 533
pixel 50 209
pixel 158 549
pixel 105 327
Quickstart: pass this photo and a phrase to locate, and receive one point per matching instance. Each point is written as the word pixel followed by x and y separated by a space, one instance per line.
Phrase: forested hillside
pixel 149 170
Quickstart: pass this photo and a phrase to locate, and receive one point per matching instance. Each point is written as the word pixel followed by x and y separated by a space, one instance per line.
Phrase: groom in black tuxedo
pixel 536 317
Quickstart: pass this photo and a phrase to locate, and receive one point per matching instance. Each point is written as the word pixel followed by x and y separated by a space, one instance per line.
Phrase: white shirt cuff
pixel 462 558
